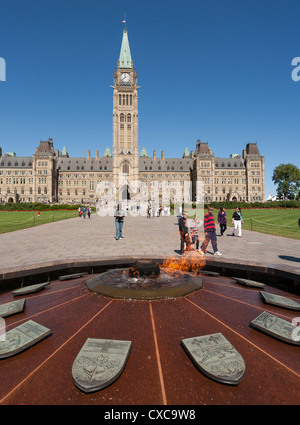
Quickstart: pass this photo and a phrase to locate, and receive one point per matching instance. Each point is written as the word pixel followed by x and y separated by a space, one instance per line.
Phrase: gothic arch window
pixel 128 118
pixel 125 168
pixel 39 190
pixel 45 191
pixel 122 118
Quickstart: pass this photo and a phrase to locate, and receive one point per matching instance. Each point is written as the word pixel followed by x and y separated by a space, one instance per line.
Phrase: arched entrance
pixel 125 194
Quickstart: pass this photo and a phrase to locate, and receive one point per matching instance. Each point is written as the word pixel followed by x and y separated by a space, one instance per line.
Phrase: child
pixel 194 232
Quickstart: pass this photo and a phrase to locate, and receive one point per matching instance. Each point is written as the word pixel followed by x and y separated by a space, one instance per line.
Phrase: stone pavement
pixel 79 238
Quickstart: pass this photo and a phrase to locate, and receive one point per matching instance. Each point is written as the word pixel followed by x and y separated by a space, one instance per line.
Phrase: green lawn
pixel 16 220
pixel 279 222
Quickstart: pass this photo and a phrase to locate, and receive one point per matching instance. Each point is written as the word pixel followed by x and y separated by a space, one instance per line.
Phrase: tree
pixel 287 177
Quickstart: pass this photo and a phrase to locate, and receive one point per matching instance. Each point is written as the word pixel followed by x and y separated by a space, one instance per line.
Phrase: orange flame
pixel 185 264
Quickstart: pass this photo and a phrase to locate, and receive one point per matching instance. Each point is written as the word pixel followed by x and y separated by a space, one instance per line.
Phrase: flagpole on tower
pixel 124 22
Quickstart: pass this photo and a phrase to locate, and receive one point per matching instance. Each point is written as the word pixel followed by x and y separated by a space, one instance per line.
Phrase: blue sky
pixel 218 71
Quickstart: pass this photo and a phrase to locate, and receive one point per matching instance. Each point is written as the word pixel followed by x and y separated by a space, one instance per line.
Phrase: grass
pixel 278 222
pixel 17 220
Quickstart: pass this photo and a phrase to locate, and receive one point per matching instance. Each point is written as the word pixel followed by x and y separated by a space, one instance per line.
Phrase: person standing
pixel 184 232
pixel 210 232
pixel 222 220
pixel 237 222
pixel 119 219
pixel 194 232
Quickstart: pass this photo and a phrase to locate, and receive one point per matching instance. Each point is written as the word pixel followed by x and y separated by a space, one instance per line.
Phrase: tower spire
pixel 125 60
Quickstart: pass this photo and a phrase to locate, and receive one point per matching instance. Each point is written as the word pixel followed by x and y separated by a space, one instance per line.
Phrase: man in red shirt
pixel 210 233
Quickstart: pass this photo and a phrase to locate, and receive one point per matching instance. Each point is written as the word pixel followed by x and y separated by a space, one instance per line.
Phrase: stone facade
pixel 50 176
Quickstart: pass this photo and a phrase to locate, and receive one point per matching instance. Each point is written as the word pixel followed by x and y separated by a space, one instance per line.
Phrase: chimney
pixel 192 154
pixel 57 153
pixel 154 154
pixel 162 154
pixel 88 154
pixel 97 154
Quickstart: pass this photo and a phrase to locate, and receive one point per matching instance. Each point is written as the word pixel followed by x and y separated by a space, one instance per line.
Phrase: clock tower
pixel 125 124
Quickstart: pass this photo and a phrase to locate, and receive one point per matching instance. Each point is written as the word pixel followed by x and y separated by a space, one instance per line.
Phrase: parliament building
pixel 55 177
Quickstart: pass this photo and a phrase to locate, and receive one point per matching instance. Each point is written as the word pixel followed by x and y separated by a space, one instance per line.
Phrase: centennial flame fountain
pixel 146 280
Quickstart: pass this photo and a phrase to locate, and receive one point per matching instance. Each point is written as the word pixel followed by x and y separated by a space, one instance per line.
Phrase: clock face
pixel 125 77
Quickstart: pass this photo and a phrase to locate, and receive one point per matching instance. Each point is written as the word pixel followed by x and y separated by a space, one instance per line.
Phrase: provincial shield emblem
pixel 12 308
pixel 22 337
pixel 248 282
pixel 214 356
pixel 278 328
pixel 31 288
pixel 99 363
pixel 279 301
pixel 72 276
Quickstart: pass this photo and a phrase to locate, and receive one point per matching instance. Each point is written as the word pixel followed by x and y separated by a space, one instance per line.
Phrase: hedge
pixel 232 204
pixel 35 206
pixel 27 206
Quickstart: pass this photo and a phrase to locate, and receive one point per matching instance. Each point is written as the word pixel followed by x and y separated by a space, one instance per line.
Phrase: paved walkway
pixel 79 238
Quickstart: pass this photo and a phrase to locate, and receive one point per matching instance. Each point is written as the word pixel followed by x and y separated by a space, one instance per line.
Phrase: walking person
pixel 210 233
pixel 222 220
pixel 89 210
pixel 184 233
pixel 237 221
pixel 84 211
pixel 119 219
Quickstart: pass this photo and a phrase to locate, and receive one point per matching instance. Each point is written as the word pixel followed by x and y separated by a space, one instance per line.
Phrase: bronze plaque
pixel 99 363
pixel 277 327
pixel 31 288
pixel 12 308
pixel 72 276
pixel 215 356
pixel 22 337
pixel 248 282
pixel 279 301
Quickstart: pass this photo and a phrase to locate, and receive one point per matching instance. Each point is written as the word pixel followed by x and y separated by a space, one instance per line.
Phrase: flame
pixel 191 264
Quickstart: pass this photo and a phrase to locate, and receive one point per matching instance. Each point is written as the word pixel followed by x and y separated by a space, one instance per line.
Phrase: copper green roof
pixel 186 152
pixel 144 153
pixel 64 151
pixel 107 152
pixel 125 56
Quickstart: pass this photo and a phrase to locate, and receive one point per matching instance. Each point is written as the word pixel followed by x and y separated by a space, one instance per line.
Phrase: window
pixel 125 168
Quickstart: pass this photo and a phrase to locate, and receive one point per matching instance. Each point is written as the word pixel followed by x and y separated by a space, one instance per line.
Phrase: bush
pixel 35 206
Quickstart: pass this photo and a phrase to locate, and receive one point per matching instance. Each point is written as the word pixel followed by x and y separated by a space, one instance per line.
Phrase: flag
pixel 123 22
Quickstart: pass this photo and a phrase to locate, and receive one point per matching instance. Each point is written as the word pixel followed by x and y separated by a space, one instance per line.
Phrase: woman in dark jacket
pixel 222 220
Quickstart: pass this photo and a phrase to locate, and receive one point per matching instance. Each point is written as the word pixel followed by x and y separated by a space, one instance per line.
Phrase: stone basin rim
pixel 270 273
